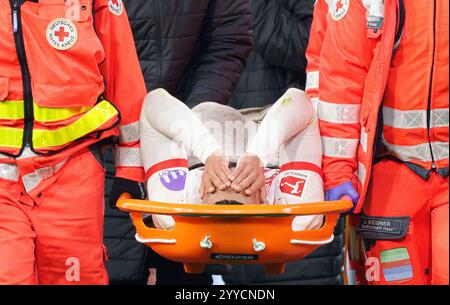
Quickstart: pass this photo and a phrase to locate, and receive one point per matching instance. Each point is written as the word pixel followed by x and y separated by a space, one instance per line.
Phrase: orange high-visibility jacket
pixel 69 77
pixel 318 30
pixel 359 78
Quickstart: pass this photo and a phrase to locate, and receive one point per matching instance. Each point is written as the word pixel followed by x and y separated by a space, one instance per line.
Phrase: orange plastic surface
pixel 232 231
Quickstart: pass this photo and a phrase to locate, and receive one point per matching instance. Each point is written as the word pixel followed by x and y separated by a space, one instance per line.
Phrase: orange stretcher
pixel 244 234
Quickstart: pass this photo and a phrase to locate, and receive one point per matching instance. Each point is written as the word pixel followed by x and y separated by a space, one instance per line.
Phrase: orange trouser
pixel 421 256
pixel 54 235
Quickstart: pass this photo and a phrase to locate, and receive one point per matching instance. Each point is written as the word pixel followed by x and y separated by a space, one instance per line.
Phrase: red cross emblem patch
pixel 62 34
pixel 116 7
pixel 339 9
pixel 292 185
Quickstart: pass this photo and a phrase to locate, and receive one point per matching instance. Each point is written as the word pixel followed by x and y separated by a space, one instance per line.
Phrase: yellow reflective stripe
pixel 11 137
pixel 46 114
pixel 11 110
pixel 91 121
pixel 14 110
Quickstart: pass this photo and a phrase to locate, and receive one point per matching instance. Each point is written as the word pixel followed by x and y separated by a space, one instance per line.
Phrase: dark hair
pixel 229 202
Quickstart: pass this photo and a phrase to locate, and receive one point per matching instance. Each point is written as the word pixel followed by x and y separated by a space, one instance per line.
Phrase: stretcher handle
pixel 145 234
pixel 126 204
pixel 317 237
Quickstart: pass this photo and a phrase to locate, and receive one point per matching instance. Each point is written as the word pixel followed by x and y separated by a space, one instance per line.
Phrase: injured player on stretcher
pixel 215 155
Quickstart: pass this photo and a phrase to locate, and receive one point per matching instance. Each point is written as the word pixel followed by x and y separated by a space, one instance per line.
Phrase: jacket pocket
pixel 4 84
pixel 62 95
pixel 66 53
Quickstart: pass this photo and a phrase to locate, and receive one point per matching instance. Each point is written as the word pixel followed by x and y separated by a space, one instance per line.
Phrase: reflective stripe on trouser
pixel 56 236
pixel 9 172
pixel 395 191
pixel 94 119
pixel 30 181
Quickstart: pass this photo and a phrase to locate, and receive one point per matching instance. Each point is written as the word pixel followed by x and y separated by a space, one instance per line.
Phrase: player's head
pixel 230 197
pixel 229 202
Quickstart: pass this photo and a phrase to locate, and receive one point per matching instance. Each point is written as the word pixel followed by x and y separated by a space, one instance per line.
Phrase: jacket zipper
pixel 26 78
pixel 433 164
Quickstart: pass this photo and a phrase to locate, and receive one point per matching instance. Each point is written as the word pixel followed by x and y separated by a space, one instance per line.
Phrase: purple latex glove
pixel 343 191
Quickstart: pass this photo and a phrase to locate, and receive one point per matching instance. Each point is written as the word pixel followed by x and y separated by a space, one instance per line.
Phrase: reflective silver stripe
pixel 128 157
pixel 339 147
pixel 129 133
pixel 410 119
pixel 419 152
pixel 361 173
pixel 339 113
pixel 364 139
pixel 439 118
pixel 31 181
pixel 315 102
pixel 404 119
pixel 27 153
pixel 440 150
pixel 312 80
pixel 9 172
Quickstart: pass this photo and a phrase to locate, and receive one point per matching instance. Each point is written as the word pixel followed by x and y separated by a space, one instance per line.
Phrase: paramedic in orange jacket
pixel 69 78
pixel 383 110
pixel 318 30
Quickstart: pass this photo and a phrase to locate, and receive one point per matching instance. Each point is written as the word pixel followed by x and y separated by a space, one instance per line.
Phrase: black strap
pixel 401 16
pixel 109 162
pixel 93 13
pixel 109 165
pixel 103 151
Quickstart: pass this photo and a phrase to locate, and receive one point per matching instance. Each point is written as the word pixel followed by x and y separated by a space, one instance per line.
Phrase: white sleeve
pixel 289 116
pixel 175 120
